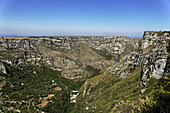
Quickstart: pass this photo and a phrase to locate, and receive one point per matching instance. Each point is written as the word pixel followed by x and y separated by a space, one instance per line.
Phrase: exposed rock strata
pixel 70 55
pixel 150 54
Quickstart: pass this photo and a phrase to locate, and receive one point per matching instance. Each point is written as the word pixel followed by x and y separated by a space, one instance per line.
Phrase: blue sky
pixel 83 17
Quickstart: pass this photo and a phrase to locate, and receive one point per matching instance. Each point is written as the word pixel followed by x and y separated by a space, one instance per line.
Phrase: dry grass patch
pixel 57 88
pixel 45 101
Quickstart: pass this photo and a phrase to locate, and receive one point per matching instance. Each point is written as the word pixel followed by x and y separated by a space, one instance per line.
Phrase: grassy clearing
pixel 105 53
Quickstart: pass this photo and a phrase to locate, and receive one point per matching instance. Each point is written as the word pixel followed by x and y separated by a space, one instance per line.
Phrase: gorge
pixel 110 72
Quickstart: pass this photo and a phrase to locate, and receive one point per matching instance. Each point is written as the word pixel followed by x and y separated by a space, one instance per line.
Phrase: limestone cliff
pixel 70 55
pixel 126 79
pixel 151 55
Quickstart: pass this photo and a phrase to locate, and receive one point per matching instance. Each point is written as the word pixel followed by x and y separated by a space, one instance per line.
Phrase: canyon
pixel 107 65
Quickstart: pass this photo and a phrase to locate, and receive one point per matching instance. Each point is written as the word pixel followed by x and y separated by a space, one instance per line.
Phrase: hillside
pixel 70 55
pixel 121 85
pixel 110 73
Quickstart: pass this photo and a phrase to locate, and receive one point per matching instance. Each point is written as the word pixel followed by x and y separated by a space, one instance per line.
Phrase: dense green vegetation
pixel 158 101
pixel 30 83
pixel 93 71
pixel 60 103
pixel 26 82
pixel 166 32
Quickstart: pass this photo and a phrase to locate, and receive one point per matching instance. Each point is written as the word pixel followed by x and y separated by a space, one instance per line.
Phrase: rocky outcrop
pixel 115 44
pixel 23 44
pixel 17 52
pixel 154 61
pixel 130 76
pixel 151 55
pixel 154 56
pixel 70 55
pixel 2 68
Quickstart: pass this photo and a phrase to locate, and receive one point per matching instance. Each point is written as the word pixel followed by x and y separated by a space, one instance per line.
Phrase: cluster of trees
pixel 30 83
pixel 93 71
pixel 60 103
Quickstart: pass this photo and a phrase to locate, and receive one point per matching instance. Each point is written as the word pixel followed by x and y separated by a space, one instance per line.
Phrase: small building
pixel 73 96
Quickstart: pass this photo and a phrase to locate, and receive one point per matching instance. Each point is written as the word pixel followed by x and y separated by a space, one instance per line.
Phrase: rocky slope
pixel 121 83
pixel 70 55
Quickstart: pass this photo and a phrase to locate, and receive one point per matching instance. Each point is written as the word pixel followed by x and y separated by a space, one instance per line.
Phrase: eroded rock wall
pixel 151 55
pixel 70 55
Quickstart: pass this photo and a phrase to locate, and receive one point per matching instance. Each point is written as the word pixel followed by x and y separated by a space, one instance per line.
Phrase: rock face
pixel 131 75
pixel 2 68
pixel 70 55
pixel 151 54
pixel 17 52
pixel 154 58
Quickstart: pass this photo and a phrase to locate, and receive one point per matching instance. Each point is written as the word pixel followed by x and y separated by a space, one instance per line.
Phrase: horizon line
pixel 65 35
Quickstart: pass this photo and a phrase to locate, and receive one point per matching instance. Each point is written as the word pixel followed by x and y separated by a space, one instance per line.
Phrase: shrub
pixel 159 102
pixel 92 70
